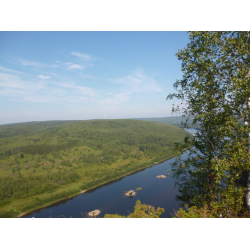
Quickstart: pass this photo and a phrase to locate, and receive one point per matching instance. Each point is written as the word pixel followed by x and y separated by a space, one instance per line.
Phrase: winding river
pixel 111 199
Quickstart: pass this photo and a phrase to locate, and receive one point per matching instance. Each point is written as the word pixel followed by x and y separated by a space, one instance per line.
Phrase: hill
pixel 9 130
pixel 175 120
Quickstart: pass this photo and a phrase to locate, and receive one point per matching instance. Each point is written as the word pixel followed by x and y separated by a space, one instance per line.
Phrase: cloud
pixel 10 70
pixel 43 77
pixel 85 90
pixel 29 63
pixel 87 76
pixel 85 57
pixel 115 100
pixel 17 89
pixel 73 66
pixel 77 89
pixel 8 81
pixel 68 65
pixel 59 64
pixel 138 82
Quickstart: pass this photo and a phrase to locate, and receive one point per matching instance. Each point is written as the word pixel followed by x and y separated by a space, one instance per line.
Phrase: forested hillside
pixel 10 130
pixel 42 162
pixel 176 121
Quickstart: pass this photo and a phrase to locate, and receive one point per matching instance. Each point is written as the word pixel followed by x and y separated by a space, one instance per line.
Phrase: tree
pixel 213 91
pixel 141 211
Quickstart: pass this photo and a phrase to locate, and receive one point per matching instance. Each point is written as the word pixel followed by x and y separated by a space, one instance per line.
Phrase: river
pixel 111 199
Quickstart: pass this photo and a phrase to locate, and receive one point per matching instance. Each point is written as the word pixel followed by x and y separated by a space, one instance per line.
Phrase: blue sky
pixel 87 75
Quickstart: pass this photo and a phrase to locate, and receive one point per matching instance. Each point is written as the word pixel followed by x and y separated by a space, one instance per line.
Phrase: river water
pixel 111 199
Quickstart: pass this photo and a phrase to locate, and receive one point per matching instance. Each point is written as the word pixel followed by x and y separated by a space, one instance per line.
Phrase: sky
pixel 87 75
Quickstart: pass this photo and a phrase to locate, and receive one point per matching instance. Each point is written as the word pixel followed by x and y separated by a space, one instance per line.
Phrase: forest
pixel 43 162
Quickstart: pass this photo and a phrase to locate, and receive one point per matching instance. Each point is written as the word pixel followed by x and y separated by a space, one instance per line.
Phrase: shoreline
pixel 100 185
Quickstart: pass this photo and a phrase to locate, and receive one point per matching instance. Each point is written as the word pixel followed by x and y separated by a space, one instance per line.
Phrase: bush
pixel 140 211
pixel 213 212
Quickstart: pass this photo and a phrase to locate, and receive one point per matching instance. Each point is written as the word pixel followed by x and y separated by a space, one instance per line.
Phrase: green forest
pixel 43 162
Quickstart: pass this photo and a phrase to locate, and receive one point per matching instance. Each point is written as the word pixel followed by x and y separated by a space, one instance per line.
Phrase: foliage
pixel 213 92
pixel 140 211
pixel 205 212
pixel 193 212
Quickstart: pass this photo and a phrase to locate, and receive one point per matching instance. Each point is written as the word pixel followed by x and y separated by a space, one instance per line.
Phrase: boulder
pixel 94 213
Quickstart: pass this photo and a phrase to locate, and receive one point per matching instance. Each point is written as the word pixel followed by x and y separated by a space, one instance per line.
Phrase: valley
pixel 43 162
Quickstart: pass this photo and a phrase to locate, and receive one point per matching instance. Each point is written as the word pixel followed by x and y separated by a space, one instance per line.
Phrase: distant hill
pixel 13 129
pixel 9 130
pixel 176 120
pixel 23 128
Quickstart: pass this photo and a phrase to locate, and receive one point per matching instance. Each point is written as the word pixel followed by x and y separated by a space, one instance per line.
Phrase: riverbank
pixel 46 205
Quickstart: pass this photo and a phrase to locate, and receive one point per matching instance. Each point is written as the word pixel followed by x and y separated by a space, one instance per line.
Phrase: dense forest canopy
pixel 9 130
pixel 13 129
pixel 41 162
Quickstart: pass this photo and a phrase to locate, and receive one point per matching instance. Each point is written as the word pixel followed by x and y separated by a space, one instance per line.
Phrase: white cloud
pixel 29 63
pixel 115 100
pixel 14 82
pixel 59 64
pixel 85 90
pixel 73 66
pixel 15 88
pixel 43 77
pixel 10 70
pixel 77 89
pixel 85 57
pixel 87 76
pixel 138 82
pixel 68 65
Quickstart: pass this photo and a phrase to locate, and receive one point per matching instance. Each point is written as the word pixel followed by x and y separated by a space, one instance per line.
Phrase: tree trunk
pixel 248 181
pixel 248 107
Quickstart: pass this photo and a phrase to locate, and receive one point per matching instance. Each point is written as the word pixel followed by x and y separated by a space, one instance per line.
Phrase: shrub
pixel 140 211
pixel 214 211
